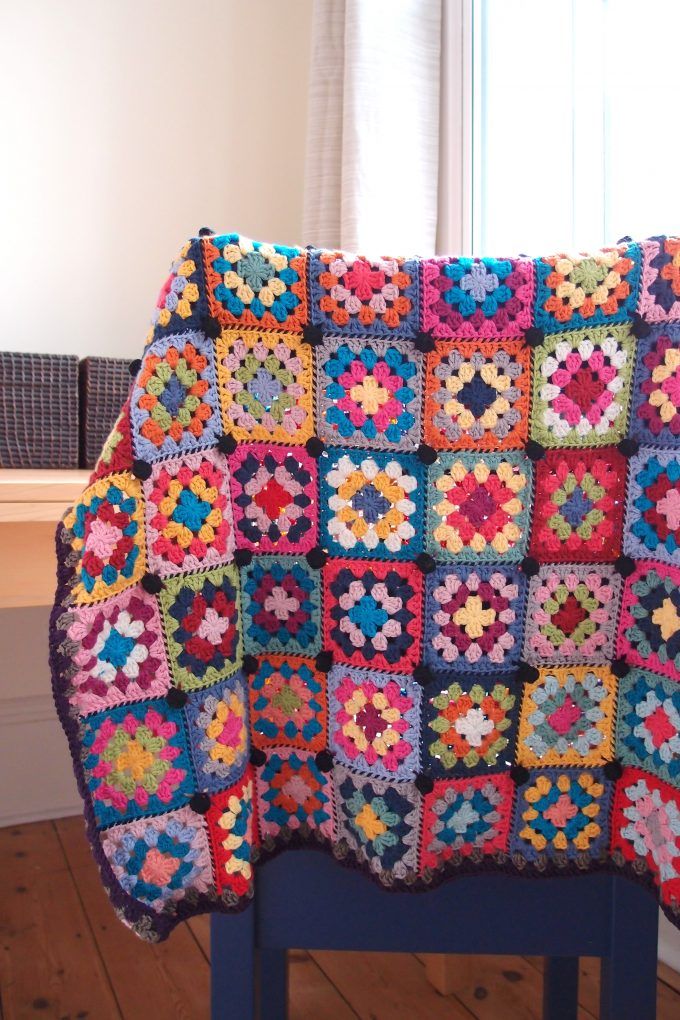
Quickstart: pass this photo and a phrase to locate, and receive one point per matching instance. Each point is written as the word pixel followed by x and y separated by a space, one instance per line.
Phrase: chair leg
pixel 560 988
pixel 273 984
pixel 232 972
pixel 628 982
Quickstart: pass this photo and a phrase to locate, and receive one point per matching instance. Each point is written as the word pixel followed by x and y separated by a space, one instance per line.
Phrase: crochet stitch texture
pixel 382 556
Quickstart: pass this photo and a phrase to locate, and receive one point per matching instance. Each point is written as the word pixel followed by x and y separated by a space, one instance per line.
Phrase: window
pixel 574 135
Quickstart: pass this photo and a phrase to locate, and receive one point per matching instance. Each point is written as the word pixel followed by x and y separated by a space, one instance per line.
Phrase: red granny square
pixel 578 514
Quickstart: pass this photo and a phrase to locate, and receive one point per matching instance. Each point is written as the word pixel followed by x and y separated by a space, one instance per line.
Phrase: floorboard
pixel 65 955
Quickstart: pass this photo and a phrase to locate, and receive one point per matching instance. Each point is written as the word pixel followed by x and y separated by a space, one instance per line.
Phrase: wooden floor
pixel 64 954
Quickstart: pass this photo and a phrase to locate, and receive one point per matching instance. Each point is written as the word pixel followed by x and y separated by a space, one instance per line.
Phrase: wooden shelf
pixel 31 504
pixel 38 496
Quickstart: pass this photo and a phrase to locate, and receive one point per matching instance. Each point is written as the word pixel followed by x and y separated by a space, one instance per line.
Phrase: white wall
pixel 127 125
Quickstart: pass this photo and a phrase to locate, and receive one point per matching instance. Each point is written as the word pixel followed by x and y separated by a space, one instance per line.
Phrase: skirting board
pixel 33 751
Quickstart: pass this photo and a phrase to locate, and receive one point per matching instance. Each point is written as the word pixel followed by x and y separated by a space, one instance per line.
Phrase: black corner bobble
pixel 315 447
pixel 324 760
pixel 317 557
pixel 152 583
pixel 176 698
pixel 205 232
pixel 257 757
pixel 425 563
pixel 534 451
pixel 243 557
pixel 534 336
pixel 141 469
pixel 426 454
pixel 422 674
pixel 626 239
pixel 226 444
pixel 249 665
pixel 526 673
pixel 312 335
pixel 134 366
pixel 613 769
pixel 530 566
pixel 424 343
pixel 211 327
pixel 424 783
pixel 519 775
pixel 628 446
pixel 200 803
pixel 640 327
pixel 324 661
pixel 620 668
pixel 624 566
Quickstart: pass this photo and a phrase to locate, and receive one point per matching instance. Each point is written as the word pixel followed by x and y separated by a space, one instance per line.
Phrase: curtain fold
pixel 372 160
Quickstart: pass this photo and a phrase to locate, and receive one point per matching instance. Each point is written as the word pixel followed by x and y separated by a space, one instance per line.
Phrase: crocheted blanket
pixel 382 556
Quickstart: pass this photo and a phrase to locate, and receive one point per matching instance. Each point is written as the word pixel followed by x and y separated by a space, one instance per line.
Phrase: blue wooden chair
pixel 305 900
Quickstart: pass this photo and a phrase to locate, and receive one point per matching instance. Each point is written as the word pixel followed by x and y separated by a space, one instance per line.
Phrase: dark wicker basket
pixel 104 386
pixel 38 410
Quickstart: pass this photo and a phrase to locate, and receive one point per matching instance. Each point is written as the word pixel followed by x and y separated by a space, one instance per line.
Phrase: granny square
pixel 136 761
pixel 587 290
pixel 582 386
pixel 369 393
pixel 293 795
pixel 373 613
pixel 469 725
pixel 273 490
pixel 579 502
pixel 352 295
pixel 116 454
pixel 472 297
pixel 473 618
pixel 479 506
pixel 217 725
pixel 254 284
pixel 653 515
pixel 571 614
pixel 378 821
pixel 188 513
pixel 233 834
pixel 660 291
pixel 648 730
pixel 646 828
pixel 105 530
pixel 561 812
pixel 375 721
pixel 655 417
pixel 159 860
pixel 174 401
pixel 382 557
pixel 288 703
pixel 372 504
pixel 117 651
pixel 281 598
pixel 265 385
pixel 466 816
pixel 649 627
pixel 477 395
pixel 567 716
pixel 202 626
pixel 181 302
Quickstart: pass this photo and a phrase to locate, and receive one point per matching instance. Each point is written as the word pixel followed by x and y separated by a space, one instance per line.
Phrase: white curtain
pixel 372 163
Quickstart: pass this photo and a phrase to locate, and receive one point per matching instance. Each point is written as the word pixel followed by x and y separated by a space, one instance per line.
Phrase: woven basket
pixel 38 410
pixel 104 385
